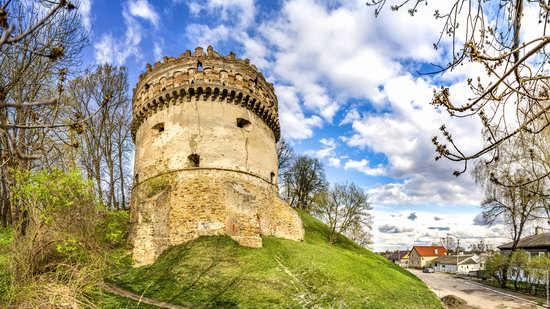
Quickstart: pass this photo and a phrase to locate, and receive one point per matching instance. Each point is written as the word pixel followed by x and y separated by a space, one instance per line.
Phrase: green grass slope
pixel 217 272
pixel 6 236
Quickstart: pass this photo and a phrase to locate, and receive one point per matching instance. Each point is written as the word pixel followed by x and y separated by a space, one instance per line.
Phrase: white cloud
pixel 341 54
pixel 328 149
pixel 294 124
pixel 203 35
pixel 110 49
pixel 363 167
pixel 404 137
pixel 235 17
pixel 157 50
pixel 115 51
pixel 244 10
pixel 85 10
pixel 334 162
pixel 351 116
pixel 194 7
pixel 143 9
pixel 392 229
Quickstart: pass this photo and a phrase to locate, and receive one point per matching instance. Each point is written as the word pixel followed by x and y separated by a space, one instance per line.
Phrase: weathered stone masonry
pixel 205 128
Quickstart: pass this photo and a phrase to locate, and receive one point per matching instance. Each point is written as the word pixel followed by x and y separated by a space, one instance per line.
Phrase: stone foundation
pixel 178 206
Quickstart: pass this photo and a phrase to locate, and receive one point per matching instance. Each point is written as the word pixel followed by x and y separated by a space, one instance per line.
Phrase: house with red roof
pixel 421 256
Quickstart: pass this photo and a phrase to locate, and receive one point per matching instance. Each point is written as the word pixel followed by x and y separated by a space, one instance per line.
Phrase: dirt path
pixel 139 298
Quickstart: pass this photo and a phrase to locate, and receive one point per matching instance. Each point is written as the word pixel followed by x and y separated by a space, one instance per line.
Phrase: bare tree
pixel 303 180
pixel 514 207
pixel 104 141
pixel 449 243
pixel 285 154
pixel 523 163
pixel 513 98
pixel 40 41
pixel 344 207
pixel 360 234
pixel 481 247
pixel 513 193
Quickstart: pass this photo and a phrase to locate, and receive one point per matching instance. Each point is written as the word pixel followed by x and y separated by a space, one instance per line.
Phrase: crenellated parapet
pixel 204 76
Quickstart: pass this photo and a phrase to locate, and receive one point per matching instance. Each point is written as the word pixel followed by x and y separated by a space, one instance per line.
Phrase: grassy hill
pixel 215 271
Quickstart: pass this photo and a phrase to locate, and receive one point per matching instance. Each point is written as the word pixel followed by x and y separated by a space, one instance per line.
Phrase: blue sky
pixel 348 90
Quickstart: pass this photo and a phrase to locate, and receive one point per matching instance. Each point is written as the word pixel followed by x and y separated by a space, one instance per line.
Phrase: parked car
pixel 428 270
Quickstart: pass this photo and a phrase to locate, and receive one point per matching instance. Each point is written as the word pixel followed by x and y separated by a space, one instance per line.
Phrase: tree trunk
pixel 121 171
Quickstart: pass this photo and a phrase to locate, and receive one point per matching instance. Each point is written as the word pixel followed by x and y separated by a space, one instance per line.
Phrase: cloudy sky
pixel 349 93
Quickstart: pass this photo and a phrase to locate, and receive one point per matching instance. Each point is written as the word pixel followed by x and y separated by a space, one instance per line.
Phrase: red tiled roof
pixel 430 250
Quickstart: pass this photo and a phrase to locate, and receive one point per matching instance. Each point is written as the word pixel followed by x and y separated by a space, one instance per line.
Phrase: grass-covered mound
pixel 216 271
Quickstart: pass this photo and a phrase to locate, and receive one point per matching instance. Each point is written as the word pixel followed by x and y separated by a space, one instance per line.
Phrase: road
pixel 477 295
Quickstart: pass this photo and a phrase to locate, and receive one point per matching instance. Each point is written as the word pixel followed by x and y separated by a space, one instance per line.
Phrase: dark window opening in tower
pixel 272 178
pixel 194 160
pixel 199 66
pixel 159 127
pixel 243 123
pixel 136 179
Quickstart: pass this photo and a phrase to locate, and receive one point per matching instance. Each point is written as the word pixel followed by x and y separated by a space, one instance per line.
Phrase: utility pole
pixel 457 252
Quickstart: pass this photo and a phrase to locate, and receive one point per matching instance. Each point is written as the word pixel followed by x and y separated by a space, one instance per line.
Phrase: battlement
pixel 201 76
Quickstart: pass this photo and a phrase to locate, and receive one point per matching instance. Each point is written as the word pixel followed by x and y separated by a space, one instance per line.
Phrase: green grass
pixel 6 236
pixel 216 271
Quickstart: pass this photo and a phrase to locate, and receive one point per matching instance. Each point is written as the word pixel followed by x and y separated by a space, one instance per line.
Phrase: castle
pixel 205 128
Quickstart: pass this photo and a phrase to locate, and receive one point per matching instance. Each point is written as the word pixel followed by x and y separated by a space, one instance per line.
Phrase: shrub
pixel 60 256
pixel 114 229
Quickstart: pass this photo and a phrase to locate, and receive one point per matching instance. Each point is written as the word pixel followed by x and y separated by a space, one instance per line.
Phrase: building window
pixel 243 123
pixel 194 160
pixel 199 66
pixel 159 127
pixel 272 177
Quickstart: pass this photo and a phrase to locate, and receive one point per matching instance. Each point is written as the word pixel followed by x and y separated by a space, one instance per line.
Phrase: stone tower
pixel 205 128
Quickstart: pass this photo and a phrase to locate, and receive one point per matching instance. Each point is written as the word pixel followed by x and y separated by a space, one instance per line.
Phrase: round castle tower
pixel 205 128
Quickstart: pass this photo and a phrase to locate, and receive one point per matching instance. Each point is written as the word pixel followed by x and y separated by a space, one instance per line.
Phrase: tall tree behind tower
pixel 104 143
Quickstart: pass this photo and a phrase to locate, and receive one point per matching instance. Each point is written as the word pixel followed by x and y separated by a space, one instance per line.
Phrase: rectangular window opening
pixel 194 160
pixel 243 123
pixel 159 127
